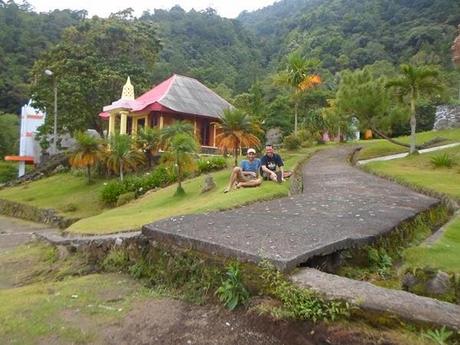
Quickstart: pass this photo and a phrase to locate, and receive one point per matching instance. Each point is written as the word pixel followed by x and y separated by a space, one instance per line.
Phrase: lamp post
pixel 51 74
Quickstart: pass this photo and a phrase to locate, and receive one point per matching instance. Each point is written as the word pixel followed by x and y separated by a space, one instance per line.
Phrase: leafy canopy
pixel 91 64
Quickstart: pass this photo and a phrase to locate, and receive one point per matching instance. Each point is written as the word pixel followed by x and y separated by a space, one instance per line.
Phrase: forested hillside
pixel 203 45
pixel 230 55
pixel 24 35
pixel 354 33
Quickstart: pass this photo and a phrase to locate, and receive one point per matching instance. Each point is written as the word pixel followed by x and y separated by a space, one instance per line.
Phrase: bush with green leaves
pixel 232 291
pixel 438 336
pixel 442 160
pixel 291 142
pixel 380 261
pixel 8 172
pixel 125 198
pixel 111 191
pixel 183 273
pixel 116 260
pixel 300 303
pixel 307 138
pixel 139 185
pixel 208 164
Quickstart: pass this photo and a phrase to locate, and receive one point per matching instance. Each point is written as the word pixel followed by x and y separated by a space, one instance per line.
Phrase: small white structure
pixel 29 151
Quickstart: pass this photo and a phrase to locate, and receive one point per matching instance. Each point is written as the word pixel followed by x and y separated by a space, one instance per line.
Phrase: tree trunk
pixel 413 123
pixel 149 155
pixel 391 140
pixel 295 117
pixel 121 170
pixel 179 173
pixel 88 167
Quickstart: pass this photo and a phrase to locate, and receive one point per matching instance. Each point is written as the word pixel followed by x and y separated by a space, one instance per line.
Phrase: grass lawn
pixel 71 196
pixel 381 147
pixel 444 254
pixel 163 203
pixel 418 171
pixel 36 308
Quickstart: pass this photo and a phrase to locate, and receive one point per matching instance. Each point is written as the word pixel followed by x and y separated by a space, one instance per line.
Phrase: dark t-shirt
pixel 272 162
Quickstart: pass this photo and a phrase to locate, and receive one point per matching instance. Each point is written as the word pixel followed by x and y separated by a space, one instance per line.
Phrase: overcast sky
pixel 102 8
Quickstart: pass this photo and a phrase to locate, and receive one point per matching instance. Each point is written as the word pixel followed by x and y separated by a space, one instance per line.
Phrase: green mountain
pixel 203 45
pixel 24 35
pixel 229 55
pixel 354 33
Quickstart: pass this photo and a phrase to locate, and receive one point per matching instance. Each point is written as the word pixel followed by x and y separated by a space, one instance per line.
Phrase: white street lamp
pixel 51 74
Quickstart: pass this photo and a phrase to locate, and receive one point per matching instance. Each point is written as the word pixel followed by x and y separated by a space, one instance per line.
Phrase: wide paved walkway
pixel 340 207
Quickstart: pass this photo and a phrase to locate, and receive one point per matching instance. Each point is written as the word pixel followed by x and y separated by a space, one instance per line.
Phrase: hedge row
pixel 158 178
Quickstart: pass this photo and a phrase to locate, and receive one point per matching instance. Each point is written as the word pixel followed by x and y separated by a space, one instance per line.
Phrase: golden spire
pixel 128 91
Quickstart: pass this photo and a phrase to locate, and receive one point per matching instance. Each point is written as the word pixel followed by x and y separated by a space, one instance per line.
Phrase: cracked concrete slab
pixel 340 207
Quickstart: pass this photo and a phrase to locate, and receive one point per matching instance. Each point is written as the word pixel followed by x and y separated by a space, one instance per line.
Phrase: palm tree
pixel 182 146
pixel 87 152
pixel 169 132
pixel 148 139
pixel 298 76
pixel 410 85
pixel 121 156
pixel 237 130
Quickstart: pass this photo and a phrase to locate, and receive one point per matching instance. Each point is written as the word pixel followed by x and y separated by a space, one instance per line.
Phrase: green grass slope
pixel 418 171
pixel 71 196
pixel 163 203
pixel 381 147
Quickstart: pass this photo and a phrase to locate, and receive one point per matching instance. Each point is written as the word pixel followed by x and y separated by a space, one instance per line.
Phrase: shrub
pixel 438 336
pixel 300 303
pixel 125 198
pixel 116 260
pixel 7 172
pixel 139 185
pixel 291 142
pixel 232 291
pixel 380 261
pixel 442 160
pixel 111 191
pixel 208 164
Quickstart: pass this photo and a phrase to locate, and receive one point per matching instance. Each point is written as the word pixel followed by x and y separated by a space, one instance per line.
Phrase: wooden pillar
pixel 123 122
pixel 112 120
pixel 214 136
pixel 161 121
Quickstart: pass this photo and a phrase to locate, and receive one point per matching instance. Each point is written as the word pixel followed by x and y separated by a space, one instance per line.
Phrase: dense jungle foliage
pixel 239 58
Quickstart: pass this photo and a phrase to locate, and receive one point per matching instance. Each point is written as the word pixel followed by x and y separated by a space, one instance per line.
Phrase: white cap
pixel 251 151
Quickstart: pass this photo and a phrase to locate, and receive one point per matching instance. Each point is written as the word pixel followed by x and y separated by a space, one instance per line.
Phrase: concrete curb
pixel 369 297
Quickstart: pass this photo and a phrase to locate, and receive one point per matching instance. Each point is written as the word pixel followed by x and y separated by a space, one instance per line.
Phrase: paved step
pixel 377 299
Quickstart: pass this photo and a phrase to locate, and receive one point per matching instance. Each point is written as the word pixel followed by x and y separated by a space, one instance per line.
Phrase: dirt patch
pixel 171 322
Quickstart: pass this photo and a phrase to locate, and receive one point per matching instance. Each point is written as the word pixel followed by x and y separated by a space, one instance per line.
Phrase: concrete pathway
pixel 341 207
pixel 376 299
pixel 14 232
pixel 402 155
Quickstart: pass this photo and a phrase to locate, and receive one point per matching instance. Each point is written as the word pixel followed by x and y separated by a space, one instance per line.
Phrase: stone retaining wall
pixel 35 214
pixel 297 179
pixel 447 116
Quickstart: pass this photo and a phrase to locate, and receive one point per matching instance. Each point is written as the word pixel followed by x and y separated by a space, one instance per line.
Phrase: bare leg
pixel 235 176
pixel 250 183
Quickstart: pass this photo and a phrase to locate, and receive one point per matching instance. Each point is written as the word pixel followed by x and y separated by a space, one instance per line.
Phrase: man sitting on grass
pixel 247 174
pixel 269 162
